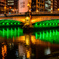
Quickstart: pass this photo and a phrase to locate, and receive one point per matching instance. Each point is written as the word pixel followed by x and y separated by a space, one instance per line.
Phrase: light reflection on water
pixel 14 44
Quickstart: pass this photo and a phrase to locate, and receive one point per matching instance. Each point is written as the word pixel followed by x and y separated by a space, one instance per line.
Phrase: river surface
pixel 41 44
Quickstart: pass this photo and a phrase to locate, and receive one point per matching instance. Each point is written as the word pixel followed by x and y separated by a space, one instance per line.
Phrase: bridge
pixel 10 23
pixel 47 24
pixel 36 16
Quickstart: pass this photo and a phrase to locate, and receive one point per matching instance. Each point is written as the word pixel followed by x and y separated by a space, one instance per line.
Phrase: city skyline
pixel 36 5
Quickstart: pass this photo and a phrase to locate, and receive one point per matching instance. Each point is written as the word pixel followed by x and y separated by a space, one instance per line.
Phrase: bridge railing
pixel 33 13
pixel 15 14
pixel 1 15
pixel 44 12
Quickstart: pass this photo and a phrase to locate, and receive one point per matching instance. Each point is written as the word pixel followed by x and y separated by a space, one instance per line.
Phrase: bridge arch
pixel 47 23
pixel 8 22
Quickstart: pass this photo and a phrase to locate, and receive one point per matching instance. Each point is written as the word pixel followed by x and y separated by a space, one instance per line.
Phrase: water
pixel 41 44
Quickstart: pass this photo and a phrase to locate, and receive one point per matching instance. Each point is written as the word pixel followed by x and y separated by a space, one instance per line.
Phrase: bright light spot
pixel 37 11
pixel 28 54
pixel 47 51
pixel 32 21
pixel 58 9
pixel 33 40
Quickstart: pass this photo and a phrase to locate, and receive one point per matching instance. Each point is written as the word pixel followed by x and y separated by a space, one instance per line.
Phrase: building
pixel 48 5
pixel 2 4
pixel 33 6
pixel 12 5
pixel 55 5
pixel 40 5
pixel 45 5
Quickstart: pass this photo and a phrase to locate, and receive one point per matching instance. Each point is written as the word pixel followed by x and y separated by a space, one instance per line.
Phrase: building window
pixel 10 3
pixel 38 0
pixel 38 4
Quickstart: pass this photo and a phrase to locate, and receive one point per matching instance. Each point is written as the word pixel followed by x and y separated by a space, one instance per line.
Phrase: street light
pixel 5 9
pixel 58 9
pixel 37 11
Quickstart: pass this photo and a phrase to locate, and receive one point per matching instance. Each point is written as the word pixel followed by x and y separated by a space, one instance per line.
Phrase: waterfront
pixel 15 44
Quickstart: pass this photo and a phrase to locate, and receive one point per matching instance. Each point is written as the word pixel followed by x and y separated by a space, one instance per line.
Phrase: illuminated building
pixel 40 5
pixel 48 5
pixel 55 5
pixel 12 4
pixel 33 6
pixel 2 4
pixel 51 5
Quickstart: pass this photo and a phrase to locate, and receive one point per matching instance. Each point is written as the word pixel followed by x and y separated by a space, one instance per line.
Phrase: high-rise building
pixel 48 5
pixel 33 5
pixel 12 4
pixel 2 4
pixel 55 5
pixel 45 5
pixel 39 5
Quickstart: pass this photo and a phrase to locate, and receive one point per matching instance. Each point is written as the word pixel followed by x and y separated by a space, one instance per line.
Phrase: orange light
pixel 5 7
pixel 28 5
pixel 10 7
pixel 37 11
pixel 33 21
pixel 28 54
pixel 33 40
pixel 58 9
pixel 4 50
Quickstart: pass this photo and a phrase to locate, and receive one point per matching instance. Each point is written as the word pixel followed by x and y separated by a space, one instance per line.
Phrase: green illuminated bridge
pixel 9 22
pixel 46 24
pixel 41 24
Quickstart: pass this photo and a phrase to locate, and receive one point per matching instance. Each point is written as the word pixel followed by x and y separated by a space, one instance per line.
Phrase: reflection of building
pixel 40 5
pixel 2 4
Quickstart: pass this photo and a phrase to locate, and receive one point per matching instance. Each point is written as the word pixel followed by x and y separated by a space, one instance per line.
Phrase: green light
pixel 18 23
pixel 18 31
pixel 43 34
pixel 36 35
pixel 51 36
pixel 49 23
pixel 9 22
pixel 15 23
pixel 3 32
pixel 11 32
pixel 40 35
pixel 15 32
pixel 7 33
pixel 3 24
